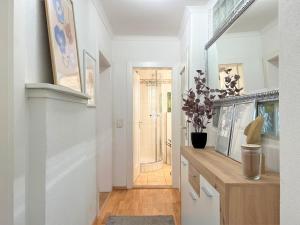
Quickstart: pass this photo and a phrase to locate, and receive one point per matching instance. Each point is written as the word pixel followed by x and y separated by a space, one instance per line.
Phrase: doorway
pixel 152 128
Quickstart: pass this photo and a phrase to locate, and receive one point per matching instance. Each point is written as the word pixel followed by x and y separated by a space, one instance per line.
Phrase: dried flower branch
pixel 231 83
pixel 198 105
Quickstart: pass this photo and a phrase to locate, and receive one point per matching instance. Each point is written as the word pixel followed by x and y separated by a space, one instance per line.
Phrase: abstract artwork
pixel 270 112
pixel 63 43
pixel 243 114
pixel 169 101
pixel 89 77
pixel 224 129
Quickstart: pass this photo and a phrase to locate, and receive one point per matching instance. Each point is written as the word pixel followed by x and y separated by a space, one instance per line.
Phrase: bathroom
pixel 152 126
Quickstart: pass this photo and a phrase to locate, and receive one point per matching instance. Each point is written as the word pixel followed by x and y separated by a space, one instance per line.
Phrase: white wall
pixel 238 48
pixel 95 37
pixel 133 50
pixel 71 194
pixel 194 34
pixel 6 148
pixel 193 37
pixel 270 49
pixel 22 50
pixel 289 83
pixel 104 131
pixel 32 64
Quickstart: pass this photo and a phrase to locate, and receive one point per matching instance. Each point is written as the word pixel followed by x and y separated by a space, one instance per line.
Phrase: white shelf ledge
pixel 51 91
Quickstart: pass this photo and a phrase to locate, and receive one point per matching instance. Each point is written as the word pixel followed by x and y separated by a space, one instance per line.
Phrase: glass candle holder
pixel 251 161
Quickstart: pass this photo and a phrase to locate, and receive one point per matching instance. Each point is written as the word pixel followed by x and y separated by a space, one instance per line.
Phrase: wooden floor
pixel 158 177
pixel 141 202
pixel 102 198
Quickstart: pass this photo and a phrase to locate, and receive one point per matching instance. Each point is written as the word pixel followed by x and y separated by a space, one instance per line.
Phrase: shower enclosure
pixel 155 118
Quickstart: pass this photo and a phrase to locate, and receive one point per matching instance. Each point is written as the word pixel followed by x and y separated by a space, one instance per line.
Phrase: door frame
pixel 175 119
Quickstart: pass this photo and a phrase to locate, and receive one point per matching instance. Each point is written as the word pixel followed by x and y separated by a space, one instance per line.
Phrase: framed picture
pixel 63 43
pixel 243 114
pixel 169 102
pixel 270 112
pixel 224 129
pixel 89 63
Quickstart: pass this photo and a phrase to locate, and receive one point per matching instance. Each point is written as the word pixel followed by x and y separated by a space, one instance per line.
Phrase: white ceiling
pixel 146 17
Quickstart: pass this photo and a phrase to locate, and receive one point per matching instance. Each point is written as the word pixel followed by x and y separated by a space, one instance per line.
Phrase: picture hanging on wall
pixel 243 114
pixel 63 43
pixel 89 77
pixel 224 129
pixel 270 112
pixel 169 101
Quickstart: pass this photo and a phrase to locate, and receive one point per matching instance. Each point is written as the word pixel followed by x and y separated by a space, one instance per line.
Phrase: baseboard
pixel 119 188
pixel 103 198
pixel 153 187
pixel 98 218
pixel 95 220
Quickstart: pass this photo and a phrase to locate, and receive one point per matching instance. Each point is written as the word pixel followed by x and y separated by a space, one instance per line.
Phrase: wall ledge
pixel 57 92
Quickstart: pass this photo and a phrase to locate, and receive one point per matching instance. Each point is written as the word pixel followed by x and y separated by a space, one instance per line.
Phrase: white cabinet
pixel 209 206
pixel 186 201
pixel 195 210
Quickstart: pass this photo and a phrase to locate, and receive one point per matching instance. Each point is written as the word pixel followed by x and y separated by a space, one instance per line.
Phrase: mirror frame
pixel 261 96
pixel 240 9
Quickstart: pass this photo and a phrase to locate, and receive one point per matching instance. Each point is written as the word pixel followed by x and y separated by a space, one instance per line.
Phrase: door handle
pixel 207 192
pixel 193 196
pixel 183 163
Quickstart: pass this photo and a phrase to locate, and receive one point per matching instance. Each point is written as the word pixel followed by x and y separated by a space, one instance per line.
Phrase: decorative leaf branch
pixel 198 105
pixel 231 82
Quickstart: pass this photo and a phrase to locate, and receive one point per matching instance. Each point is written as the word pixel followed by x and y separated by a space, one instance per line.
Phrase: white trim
pixel 145 38
pixel 45 90
pixel 86 54
pixel 102 15
pixel 129 115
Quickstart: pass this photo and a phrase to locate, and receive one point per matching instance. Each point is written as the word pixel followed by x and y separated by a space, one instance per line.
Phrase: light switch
pixel 120 123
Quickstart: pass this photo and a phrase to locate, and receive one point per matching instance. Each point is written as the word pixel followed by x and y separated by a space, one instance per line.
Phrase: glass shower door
pixel 151 144
pixel 159 117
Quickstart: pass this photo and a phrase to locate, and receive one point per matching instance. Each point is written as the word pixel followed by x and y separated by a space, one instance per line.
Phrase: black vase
pixel 199 140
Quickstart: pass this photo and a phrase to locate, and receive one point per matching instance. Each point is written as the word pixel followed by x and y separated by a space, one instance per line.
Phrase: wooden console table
pixel 242 201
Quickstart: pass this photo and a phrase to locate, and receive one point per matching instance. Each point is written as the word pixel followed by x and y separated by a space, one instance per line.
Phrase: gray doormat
pixel 140 220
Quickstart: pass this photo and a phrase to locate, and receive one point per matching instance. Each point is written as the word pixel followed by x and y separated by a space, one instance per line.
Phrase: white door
pixel 137 125
pixel 184 125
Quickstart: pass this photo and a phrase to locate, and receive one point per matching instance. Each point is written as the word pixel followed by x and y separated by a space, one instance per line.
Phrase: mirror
pixel 250 47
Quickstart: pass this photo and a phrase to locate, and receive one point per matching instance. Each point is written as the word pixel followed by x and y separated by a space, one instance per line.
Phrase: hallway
pixel 184 109
pixel 142 202
pixel 160 177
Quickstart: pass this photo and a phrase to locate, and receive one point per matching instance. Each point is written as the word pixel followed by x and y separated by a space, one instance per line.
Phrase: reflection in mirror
pixel 250 48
